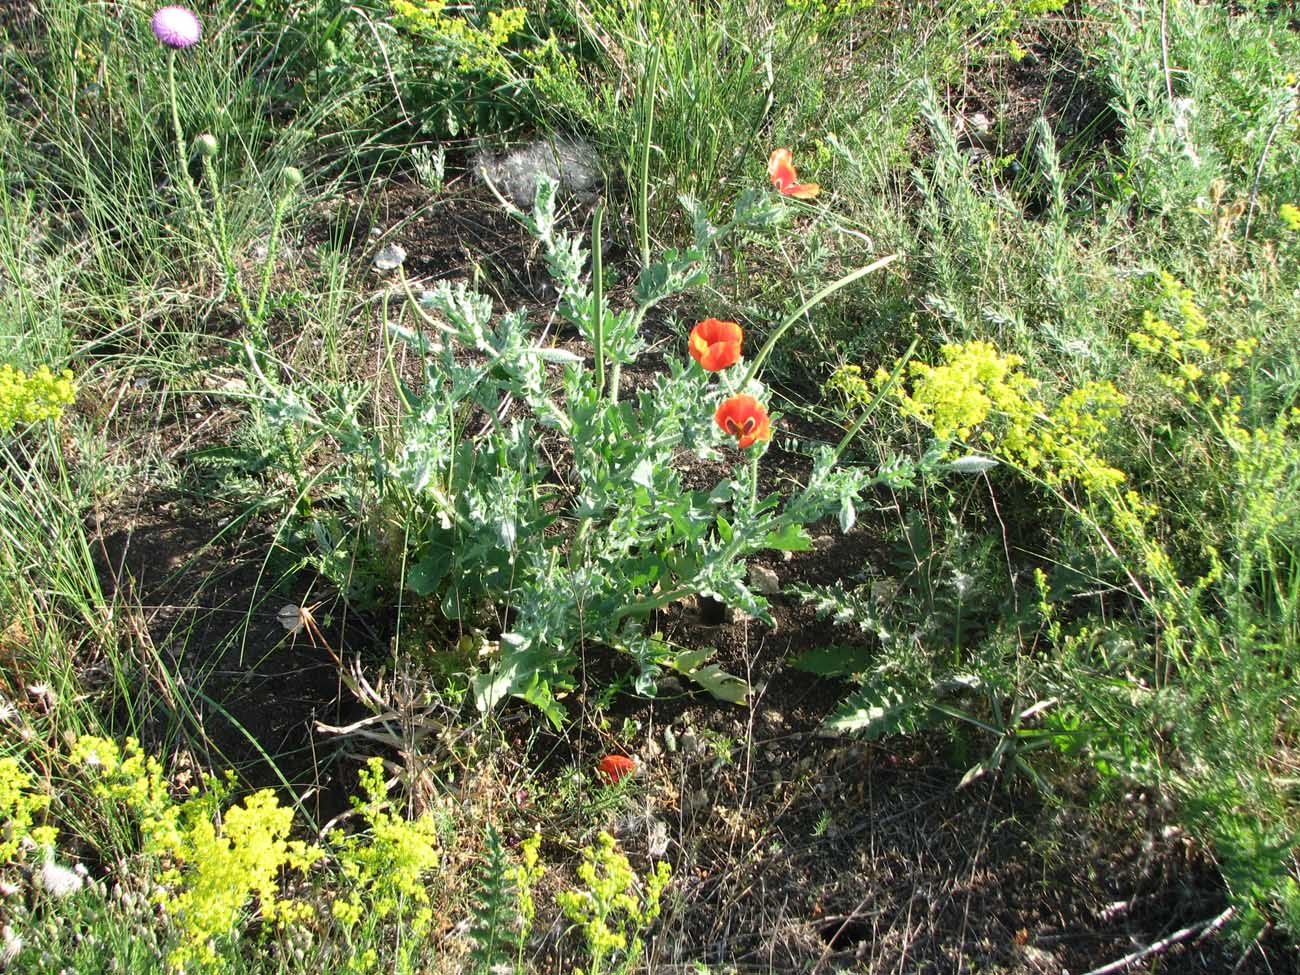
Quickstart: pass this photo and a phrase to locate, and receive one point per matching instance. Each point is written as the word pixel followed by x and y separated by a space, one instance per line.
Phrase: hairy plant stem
pixel 182 157
pixel 811 303
pixel 615 375
pixel 271 245
pixel 222 242
pixel 598 292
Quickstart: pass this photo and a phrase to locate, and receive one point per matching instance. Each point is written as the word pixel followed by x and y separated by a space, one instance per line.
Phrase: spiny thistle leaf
pixel 879 711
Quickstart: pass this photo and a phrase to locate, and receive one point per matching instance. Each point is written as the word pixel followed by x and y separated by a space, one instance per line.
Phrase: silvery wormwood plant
pixel 518 478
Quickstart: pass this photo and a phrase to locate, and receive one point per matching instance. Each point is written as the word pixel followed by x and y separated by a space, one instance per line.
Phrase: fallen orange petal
pixel 780 169
pixel 802 191
pixel 613 767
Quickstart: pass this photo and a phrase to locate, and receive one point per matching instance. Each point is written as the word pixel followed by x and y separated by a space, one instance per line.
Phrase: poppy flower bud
pixel 744 418
pixel 716 344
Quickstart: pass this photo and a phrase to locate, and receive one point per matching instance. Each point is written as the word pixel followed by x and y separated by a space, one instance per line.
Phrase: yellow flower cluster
pixel 613 907
pixel 477 48
pixel 222 868
pixel 823 9
pixel 526 875
pixel 1290 214
pixel 215 869
pixel 20 804
pixel 219 859
pixel 974 381
pixel 1007 16
pixel 1186 361
pixel 977 394
pixel 387 864
pixel 26 399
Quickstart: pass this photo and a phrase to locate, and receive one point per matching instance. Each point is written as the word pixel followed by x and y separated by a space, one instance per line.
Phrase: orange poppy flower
pixel 745 419
pixel 716 344
pixel 611 768
pixel 780 169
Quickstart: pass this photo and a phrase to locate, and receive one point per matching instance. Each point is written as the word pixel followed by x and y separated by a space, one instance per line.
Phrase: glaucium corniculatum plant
pixel 520 486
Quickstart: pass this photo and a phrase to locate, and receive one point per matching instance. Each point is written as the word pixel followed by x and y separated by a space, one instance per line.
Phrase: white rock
pixel 764 580
pixel 572 163
pixel 390 258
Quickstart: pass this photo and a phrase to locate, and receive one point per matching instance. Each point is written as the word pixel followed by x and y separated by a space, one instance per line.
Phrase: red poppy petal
pixel 782 177
pixel 802 191
pixel 780 159
pixel 612 768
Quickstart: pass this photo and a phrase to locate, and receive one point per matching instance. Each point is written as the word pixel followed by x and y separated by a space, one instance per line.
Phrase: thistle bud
pixel 292 177
pixel 206 145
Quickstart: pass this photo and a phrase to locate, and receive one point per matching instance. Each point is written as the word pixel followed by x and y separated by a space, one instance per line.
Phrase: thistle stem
pixel 182 157
pixel 271 245
pixel 222 241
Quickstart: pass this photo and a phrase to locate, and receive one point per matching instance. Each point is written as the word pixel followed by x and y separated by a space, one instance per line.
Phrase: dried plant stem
pixel 1203 928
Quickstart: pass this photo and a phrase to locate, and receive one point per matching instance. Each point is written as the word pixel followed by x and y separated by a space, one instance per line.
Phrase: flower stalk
pixel 812 302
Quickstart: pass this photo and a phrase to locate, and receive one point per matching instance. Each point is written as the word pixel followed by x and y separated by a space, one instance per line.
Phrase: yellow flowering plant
pixel 613 907
pixel 214 861
pixel 386 863
pixel 27 398
pixel 480 64
pixel 979 398
pixel 21 804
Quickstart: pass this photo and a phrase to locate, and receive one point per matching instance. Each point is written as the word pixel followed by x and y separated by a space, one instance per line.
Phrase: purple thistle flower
pixel 176 26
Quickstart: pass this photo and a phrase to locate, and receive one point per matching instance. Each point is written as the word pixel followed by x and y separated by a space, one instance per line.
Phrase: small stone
pixel 291 618
pixel 668 684
pixel 695 801
pixel 764 580
pixel 737 615
pixel 657 838
pixel 390 258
